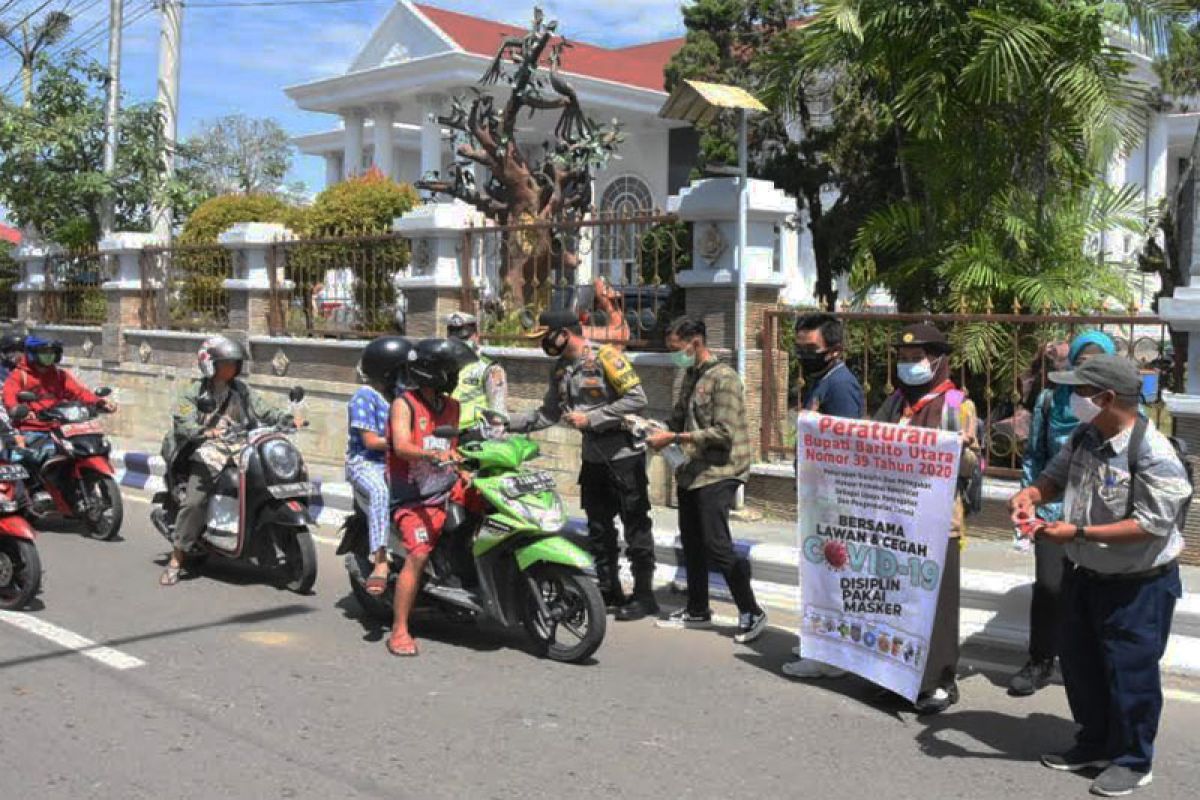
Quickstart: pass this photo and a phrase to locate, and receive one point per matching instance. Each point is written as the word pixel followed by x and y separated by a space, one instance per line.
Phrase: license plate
pixel 290 490
pixel 532 483
pixel 82 428
pixel 13 472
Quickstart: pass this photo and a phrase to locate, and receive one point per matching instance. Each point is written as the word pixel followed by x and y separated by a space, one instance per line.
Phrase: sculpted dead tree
pixel 518 191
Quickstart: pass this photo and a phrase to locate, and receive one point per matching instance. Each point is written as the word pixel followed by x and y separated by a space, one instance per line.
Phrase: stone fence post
pixel 124 293
pixel 251 286
pixel 32 260
pixel 433 286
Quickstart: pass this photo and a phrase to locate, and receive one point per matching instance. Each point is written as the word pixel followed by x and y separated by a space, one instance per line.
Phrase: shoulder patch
pixel 618 370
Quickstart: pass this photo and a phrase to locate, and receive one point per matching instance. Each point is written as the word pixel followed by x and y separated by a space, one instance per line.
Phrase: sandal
pixel 406 648
pixel 170 576
pixel 376 585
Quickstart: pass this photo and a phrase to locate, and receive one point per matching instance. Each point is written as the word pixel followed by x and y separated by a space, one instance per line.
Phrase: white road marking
pixel 71 641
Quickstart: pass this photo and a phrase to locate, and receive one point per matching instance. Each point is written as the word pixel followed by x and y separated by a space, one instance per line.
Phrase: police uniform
pixel 482 384
pixel 603 385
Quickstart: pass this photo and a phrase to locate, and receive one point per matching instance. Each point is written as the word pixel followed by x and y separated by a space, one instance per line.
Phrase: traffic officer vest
pixel 471 393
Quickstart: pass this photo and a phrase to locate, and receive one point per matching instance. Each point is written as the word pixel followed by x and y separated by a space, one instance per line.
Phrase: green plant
pixel 213 217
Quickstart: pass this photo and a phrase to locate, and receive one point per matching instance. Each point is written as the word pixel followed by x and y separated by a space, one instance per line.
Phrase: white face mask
pixel 916 373
pixel 1084 408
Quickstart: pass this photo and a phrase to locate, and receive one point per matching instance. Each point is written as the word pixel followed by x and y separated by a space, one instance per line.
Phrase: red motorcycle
pixel 20 567
pixel 70 471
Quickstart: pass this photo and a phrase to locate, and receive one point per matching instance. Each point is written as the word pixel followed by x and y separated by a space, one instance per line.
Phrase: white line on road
pixel 71 641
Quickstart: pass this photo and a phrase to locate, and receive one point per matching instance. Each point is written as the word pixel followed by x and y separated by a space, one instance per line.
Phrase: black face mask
pixel 555 343
pixel 814 363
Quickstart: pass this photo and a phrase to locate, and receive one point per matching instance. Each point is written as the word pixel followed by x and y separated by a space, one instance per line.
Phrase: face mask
pixel 684 359
pixel 555 343
pixel 915 374
pixel 812 363
pixel 46 359
pixel 1084 408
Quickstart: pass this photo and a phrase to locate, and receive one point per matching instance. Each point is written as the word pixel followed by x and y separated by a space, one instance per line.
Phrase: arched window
pixel 618 241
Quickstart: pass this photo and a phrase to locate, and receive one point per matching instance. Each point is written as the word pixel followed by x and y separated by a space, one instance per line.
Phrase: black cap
pixel 923 335
pixel 1106 373
pixel 561 319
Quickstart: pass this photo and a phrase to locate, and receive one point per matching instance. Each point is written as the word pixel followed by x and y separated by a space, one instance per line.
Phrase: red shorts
pixel 421 526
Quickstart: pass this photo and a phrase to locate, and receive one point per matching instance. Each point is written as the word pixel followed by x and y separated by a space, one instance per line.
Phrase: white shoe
pixel 807 668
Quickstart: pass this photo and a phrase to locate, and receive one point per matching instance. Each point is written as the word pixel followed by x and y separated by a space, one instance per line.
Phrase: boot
pixel 643 603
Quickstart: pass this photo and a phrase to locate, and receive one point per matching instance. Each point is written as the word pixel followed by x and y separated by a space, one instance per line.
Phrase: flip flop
pixel 170 576
pixel 376 585
pixel 403 651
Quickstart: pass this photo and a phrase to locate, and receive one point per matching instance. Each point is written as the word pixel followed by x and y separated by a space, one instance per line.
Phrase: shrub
pixel 215 216
pixel 366 204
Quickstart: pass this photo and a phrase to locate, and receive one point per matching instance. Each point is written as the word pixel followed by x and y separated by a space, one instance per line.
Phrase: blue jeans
pixel 1114 634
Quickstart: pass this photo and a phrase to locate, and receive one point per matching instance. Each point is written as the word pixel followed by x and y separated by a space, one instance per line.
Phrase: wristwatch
pixel 1080 533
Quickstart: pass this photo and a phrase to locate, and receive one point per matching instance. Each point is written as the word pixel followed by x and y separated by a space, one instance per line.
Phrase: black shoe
pixel 1118 781
pixel 637 608
pixel 614 599
pixel 1074 760
pixel 937 701
pixel 1035 675
pixel 750 626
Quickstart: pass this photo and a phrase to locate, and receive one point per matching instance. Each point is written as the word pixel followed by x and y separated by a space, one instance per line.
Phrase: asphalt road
pixel 246 691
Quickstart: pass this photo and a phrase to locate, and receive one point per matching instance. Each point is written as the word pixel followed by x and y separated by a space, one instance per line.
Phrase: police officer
pixel 593 390
pixel 482 385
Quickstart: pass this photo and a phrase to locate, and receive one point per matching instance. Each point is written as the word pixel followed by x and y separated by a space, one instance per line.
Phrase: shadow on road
pixel 991 735
pixel 248 618
pixel 430 623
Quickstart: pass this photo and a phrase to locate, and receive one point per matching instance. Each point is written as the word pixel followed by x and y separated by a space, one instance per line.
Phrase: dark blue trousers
pixel 1113 637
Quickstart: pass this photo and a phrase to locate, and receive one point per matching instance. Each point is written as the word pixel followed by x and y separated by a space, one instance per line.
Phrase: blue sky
pixel 236 60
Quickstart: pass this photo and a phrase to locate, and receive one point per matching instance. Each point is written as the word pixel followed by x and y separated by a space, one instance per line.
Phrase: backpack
pixel 1135 446
pixel 969 486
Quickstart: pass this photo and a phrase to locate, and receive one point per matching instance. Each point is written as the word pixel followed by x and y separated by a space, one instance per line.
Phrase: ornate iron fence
pixel 617 270
pixel 997 361
pixel 336 287
pixel 10 275
pixel 183 287
pixel 73 295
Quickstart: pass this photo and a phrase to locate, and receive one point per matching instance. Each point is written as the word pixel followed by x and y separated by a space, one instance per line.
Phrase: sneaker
pixel 1035 675
pixel 1074 760
pixel 1118 781
pixel 637 608
pixel 937 701
pixel 796 651
pixel 750 626
pixel 808 669
pixel 685 619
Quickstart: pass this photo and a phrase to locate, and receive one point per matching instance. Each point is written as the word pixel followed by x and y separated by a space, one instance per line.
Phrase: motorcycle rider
pixel 482 385
pixel 11 347
pixel 233 404
pixel 383 365
pixel 424 476
pixel 593 390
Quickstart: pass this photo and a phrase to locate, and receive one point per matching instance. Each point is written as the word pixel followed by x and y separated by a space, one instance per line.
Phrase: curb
pixel 994 605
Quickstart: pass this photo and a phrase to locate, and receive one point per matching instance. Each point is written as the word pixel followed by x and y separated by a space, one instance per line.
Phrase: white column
pixel 1156 159
pixel 385 118
pixel 431 134
pixel 1113 241
pixel 352 150
pixel 333 169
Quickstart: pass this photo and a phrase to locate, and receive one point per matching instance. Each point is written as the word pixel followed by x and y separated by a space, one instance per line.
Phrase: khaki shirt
pixel 712 410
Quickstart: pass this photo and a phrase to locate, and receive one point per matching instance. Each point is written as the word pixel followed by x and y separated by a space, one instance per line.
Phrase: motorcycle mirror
pixel 103 391
pixel 446 432
pixel 20 412
pixel 296 394
pixel 26 397
pixel 206 405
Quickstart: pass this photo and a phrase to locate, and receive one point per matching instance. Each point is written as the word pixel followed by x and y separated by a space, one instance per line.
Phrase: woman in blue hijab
pixel 1051 427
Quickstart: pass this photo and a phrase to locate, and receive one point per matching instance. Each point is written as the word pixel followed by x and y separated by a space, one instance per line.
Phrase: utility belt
pixel 608 443
pixel 1123 577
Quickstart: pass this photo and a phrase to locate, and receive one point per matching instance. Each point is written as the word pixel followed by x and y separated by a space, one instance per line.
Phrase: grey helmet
pixel 216 349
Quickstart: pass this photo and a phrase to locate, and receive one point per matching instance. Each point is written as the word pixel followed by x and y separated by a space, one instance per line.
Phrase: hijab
pixel 1062 421
pixel 930 414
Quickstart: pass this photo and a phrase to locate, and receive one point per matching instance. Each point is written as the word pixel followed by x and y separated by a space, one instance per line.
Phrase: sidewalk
pixel 996 580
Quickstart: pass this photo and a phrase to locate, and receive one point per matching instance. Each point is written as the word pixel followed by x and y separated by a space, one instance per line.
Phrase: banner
pixel 875 503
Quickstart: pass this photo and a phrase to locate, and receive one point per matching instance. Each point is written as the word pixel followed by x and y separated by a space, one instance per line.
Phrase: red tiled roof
pixel 11 235
pixel 641 65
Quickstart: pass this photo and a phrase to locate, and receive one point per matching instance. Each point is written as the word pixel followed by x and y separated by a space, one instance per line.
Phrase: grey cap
pixel 1107 373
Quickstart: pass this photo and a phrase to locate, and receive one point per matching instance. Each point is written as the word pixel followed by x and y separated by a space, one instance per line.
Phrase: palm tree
pixel 29 39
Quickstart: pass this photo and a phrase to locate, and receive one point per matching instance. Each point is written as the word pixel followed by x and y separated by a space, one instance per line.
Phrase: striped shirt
pixel 1096 481
pixel 712 410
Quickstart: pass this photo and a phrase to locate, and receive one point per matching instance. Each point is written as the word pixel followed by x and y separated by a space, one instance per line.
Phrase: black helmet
pixel 11 346
pixel 385 361
pixel 435 363
pixel 216 349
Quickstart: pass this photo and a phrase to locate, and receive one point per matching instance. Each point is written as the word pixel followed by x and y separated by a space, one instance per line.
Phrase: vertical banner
pixel 875 505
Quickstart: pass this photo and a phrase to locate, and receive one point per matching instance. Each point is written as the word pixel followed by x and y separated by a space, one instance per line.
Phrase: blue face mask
pixel 917 373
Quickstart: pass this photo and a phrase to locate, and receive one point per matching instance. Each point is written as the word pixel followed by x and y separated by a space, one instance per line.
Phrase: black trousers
pixel 1113 637
pixel 941 667
pixel 622 489
pixel 1046 611
pixel 708 545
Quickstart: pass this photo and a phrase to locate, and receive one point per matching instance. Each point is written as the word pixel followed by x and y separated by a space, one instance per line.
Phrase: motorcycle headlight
pixel 549 519
pixel 282 459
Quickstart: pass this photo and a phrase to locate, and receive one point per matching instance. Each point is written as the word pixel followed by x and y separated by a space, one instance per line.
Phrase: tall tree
pixel 30 36
pixel 236 154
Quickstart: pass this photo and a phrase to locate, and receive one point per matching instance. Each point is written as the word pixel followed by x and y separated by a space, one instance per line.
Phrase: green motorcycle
pixel 510 564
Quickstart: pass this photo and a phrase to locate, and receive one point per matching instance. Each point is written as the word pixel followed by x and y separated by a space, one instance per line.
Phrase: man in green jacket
pixel 232 404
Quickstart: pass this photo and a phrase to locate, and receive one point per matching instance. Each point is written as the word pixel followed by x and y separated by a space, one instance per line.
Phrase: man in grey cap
pixel 1125 493
pixel 593 390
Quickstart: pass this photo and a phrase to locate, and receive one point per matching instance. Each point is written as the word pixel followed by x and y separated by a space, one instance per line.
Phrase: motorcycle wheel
pixel 106 523
pixel 299 560
pixel 20 573
pixel 582 618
